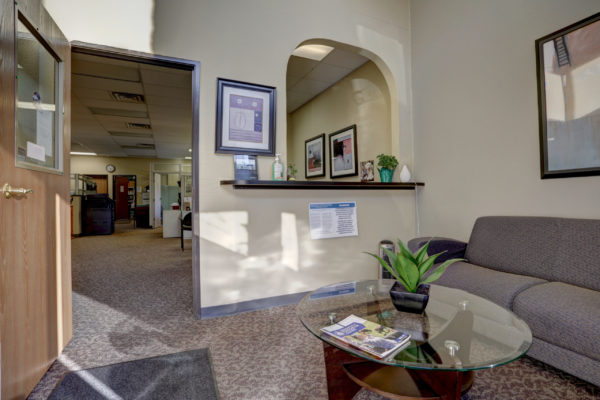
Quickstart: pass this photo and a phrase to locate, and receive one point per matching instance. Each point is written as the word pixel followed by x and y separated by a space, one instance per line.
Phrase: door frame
pixel 194 68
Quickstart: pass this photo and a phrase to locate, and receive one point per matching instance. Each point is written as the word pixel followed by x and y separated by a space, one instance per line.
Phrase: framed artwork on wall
pixel 568 71
pixel 343 153
pixel 314 156
pixel 245 118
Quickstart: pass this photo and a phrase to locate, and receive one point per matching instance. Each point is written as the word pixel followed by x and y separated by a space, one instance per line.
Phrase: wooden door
pixel 101 182
pixel 35 248
pixel 120 194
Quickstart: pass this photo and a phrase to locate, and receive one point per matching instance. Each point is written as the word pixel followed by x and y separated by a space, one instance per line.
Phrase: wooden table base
pixel 347 374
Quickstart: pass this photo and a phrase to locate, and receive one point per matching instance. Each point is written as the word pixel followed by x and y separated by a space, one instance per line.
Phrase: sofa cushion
pixel 499 287
pixel 519 245
pixel 554 249
pixel 564 315
pixel 578 259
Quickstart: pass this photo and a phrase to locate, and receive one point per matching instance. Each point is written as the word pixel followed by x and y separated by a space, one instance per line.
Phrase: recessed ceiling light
pixel 190 150
pixel 83 153
pixel 313 51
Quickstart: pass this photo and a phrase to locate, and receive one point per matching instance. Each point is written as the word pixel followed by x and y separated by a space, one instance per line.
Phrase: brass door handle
pixel 10 191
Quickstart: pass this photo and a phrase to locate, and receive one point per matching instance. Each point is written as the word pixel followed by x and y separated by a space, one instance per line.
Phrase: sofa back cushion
pixel 555 249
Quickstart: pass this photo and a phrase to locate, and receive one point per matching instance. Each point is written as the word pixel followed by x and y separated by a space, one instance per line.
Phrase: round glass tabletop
pixel 458 331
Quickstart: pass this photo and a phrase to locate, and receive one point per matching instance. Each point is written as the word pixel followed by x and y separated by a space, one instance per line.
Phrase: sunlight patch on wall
pixel 289 241
pixel 227 229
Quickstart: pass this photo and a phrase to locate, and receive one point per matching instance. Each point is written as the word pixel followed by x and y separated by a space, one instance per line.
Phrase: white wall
pixel 255 244
pixel 476 115
pixel 361 98
pixel 125 24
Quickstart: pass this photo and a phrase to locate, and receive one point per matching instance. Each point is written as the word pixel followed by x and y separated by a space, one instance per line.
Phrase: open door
pixel 35 250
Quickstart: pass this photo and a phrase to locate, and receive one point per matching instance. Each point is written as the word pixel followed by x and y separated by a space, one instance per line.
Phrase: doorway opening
pixel 132 111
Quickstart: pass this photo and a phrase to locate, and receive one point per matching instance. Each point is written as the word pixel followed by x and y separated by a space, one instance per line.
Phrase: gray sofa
pixel 547 271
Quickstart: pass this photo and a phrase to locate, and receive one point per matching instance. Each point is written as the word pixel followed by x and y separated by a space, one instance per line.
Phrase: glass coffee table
pixel 457 334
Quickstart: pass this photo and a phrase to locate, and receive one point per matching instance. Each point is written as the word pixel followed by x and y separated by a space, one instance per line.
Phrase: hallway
pixel 132 299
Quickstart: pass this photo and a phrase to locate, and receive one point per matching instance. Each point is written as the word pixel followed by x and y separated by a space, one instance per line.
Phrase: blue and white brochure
pixel 368 336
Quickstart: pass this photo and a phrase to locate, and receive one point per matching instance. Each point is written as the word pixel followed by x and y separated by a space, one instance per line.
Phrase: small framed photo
pixel 366 171
pixel 343 153
pixel 245 118
pixel 245 167
pixel 314 155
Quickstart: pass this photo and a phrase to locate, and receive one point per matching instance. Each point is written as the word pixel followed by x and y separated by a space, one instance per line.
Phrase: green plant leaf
pixel 406 252
pixel 428 263
pixel 396 261
pixel 440 270
pixel 421 254
pixel 413 276
pixel 385 265
pixel 409 272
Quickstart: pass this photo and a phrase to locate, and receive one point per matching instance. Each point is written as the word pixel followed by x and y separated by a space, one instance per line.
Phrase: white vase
pixel 404 174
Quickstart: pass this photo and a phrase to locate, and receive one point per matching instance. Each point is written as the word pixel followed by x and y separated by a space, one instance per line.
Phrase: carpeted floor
pixel 132 299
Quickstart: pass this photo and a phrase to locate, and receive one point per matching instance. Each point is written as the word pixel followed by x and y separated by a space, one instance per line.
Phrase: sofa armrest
pixel 454 248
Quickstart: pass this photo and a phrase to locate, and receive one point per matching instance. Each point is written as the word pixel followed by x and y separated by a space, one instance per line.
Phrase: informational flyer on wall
pixel 332 220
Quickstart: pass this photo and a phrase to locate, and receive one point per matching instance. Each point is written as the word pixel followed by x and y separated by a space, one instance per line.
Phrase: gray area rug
pixel 132 299
pixel 179 376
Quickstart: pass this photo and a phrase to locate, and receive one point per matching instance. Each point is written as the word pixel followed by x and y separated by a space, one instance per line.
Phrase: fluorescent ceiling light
pixel 313 51
pixel 188 158
pixel 83 153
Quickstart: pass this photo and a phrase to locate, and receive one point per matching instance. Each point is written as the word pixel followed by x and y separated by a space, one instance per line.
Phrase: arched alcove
pixel 334 85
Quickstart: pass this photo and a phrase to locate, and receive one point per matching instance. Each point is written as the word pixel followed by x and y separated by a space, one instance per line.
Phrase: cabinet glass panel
pixel 38 121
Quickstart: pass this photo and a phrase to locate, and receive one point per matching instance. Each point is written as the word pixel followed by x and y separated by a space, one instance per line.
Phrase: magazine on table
pixel 367 336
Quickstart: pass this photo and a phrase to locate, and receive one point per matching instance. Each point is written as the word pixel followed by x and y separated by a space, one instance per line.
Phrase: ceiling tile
pixel 345 59
pixel 168 91
pixel 300 65
pixel 311 87
pixel 168 103
pixel 328 73
pixel 85 68
pixel 166 79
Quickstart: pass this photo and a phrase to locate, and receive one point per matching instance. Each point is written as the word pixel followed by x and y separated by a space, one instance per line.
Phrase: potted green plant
pixel 388 164
pixel 411 290
pixel 291 172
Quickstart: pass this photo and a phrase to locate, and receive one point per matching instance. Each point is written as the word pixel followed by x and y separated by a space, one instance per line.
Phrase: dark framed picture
pixel 245 118
pixel 245 167
pixel 569 100
pixel 314 155
pixel 343 153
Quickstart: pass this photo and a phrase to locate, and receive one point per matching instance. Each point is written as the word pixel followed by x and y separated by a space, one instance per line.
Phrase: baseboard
pixel 251 305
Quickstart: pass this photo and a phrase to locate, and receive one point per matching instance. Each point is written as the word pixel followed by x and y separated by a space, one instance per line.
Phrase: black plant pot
pixel 407 301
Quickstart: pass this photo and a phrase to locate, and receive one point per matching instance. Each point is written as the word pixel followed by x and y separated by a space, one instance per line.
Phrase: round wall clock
pixel 110 168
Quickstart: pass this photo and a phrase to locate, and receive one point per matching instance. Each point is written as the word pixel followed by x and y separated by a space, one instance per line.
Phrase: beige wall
pixel 361 98
pixel 140 167
pixel 255 244
pixel 476 115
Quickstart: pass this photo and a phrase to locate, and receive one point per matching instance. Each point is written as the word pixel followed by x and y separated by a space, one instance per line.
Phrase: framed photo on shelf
pixel 245 167
pixel 569 100
pixel 343 153
pixel 366 171
pixel 314 156
pixel 245 118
